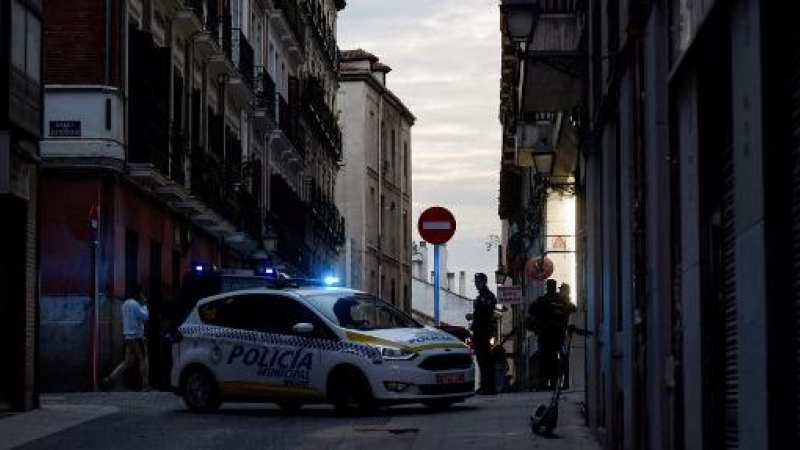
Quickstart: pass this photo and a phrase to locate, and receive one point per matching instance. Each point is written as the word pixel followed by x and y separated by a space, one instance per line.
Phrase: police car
pixel 301 345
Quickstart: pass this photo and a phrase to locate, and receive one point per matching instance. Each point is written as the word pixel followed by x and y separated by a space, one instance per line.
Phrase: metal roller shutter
pixel 794 108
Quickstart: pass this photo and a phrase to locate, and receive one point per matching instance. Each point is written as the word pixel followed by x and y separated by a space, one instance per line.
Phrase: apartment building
pixel 374 187
pixel 178 132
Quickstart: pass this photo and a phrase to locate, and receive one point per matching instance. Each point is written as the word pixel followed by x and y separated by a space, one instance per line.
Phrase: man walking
pixel 551 314
pixel 482 331
pixel 134 317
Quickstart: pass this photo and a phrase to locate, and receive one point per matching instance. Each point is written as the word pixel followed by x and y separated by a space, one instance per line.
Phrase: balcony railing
pixel 292 15
pixel 226 40
pixel 243 57
pixel 325 124
pixel 265 91
pixel 322 32
pixel 149 103
pixel 212 19
pixel 328 221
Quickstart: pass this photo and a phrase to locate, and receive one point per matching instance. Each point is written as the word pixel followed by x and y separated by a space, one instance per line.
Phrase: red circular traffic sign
pixel 436 225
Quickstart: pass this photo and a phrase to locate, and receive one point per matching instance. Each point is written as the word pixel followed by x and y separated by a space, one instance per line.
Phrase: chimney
pixel 462 283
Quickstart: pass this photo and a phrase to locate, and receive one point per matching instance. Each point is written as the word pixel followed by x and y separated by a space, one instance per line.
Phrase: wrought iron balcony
pixel 322 32
pixel 325 125
pixel 288 11
pixel 265 92
pixel 241 81
pixel 243 57
pixel 149 104
pixel 208 41
pixel 328 221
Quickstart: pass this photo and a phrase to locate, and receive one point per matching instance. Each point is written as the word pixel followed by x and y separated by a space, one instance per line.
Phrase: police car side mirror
pixel 303 328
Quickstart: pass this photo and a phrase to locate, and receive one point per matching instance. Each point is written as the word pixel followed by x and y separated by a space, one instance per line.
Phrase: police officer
pixel 482 331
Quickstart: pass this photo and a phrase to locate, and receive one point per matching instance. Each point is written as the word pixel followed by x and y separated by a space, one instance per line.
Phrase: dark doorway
pixel 12 302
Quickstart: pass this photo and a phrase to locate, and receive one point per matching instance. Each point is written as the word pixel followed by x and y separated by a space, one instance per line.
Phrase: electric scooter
pixel 545 418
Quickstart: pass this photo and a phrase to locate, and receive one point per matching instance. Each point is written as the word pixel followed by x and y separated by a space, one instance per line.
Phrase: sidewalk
pixel 19 428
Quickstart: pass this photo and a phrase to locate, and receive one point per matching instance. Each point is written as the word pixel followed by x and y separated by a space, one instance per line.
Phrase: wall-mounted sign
pixel 65 128
pixel 509 294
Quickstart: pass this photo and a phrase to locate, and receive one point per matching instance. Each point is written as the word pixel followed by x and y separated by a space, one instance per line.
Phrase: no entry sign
pixel 436 225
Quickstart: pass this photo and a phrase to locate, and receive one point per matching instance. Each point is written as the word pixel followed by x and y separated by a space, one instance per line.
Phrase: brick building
pixel 179 128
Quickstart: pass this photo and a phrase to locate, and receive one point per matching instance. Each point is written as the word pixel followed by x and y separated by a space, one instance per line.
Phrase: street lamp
pixel 518 20
pixel 500 277
pixel 544 162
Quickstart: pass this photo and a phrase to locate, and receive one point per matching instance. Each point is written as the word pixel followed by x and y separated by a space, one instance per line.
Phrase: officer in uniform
pixel 483 328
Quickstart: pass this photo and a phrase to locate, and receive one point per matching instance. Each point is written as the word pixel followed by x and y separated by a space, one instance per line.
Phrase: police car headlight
pixel 396 354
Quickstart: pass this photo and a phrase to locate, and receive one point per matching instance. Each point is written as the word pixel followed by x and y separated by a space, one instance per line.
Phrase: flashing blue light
pixel 331 280
pixel 202 268
pixel 266 271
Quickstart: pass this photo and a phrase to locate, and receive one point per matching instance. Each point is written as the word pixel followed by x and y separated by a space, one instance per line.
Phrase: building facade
pixel 687 218
pixel 20 133
pixel 178 132
pixel 374 187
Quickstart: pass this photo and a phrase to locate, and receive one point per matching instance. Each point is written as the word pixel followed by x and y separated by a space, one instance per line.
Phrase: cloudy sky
pixel 445 60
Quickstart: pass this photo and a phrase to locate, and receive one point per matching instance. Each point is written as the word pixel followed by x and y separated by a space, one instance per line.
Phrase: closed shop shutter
pixel 794 86
pixel 729 301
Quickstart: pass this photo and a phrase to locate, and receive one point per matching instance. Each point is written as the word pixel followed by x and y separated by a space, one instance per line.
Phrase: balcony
pixel 149 140
pixel 328 223
pixel 241 82
pixel 323 122
pixel 555 60
pixel 288 217
pixel 322 33
pixel 287 122
pixel 264 118
pixel 287 21
pixel 189 19
pixel 207 41
pixel 221 62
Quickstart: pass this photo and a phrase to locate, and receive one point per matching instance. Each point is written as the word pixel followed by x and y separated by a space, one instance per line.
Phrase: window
pixel 26 38
pixel 236 8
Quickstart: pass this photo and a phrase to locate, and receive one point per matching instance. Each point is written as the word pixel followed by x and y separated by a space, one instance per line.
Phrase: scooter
pixel 545 418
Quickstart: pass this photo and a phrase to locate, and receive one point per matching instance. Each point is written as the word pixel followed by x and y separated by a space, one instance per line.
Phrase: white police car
pixel 314 345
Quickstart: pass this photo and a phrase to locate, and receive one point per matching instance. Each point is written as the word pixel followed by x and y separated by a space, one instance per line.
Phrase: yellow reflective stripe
pixel 268 389
pixel 365 338
pixel 438 345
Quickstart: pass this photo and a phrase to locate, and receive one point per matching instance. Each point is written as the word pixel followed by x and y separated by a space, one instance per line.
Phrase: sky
pixel 445 60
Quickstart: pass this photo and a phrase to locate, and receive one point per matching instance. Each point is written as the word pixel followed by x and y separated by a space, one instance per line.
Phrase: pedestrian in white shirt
pixel 134 317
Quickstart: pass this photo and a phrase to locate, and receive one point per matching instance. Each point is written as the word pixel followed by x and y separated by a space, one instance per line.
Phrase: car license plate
pixel 449 378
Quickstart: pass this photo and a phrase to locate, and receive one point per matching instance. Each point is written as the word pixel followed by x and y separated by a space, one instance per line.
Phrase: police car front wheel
pixel 200 390
pixel 349 389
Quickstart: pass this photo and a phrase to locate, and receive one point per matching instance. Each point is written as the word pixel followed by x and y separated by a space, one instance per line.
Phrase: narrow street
pixel 132 420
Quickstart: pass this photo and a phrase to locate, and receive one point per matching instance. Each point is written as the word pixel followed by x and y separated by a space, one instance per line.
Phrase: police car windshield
pixel 360 311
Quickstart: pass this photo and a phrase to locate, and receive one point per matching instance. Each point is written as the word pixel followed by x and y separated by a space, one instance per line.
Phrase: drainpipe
pixel 380 193
pixel 107 43
pixel 639 242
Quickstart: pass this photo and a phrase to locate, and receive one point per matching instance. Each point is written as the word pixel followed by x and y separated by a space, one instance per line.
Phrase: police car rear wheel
pixel 200 392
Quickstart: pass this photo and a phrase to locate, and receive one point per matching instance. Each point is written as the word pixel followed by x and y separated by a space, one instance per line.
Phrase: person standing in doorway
pixel 483 328
pixel 134 317
pixel 551 312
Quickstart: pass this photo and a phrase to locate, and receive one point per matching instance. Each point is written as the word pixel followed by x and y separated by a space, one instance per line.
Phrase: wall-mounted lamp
pixel 544 162
pixel 518 20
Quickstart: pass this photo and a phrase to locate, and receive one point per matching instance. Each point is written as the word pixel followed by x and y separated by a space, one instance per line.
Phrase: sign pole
pixel 436 282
